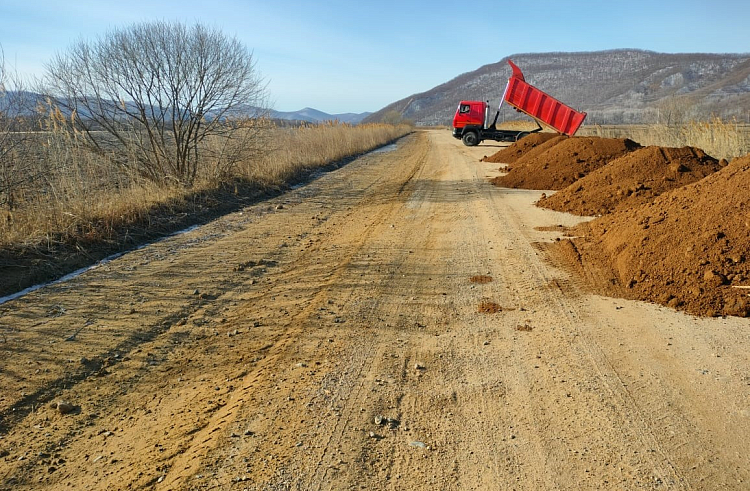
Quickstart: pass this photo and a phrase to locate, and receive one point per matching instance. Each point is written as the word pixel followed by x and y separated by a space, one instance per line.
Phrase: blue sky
pixel 355 56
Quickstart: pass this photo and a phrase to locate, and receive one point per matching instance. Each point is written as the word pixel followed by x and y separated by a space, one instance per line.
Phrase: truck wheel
pixel 470 139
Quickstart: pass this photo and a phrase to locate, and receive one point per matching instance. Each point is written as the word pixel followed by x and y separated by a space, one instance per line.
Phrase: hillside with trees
pixel 614 87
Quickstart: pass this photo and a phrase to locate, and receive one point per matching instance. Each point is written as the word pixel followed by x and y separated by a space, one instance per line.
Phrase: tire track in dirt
pixel 492 454
pixel 393 458
pixel 541 288
pixel 383 460
pixel 349 396
pixel 345 267
pixel 150 334
pixel 75 325
pixel 351 393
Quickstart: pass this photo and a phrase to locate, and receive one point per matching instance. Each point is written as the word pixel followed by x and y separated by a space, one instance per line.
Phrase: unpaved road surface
pixel 391 325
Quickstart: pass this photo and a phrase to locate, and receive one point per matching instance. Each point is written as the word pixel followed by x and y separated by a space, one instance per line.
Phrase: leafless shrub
pixel 152 95
pixel 675 110
pixel 245 141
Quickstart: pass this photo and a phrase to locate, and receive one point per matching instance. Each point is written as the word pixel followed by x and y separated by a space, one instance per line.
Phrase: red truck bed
pixel 540 105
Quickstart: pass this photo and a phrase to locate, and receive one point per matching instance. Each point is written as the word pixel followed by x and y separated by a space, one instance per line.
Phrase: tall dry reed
pixel 720 139
pixel 82 197
pixel 293 151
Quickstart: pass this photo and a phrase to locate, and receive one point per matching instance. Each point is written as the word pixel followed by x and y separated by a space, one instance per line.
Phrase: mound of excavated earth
pixel 688 248
pixel 633 179
pixel 512 153
pixel 568 160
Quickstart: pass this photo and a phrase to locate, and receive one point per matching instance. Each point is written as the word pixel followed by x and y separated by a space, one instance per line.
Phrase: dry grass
pixel 83 199
pixel 298 150
pixel 720 139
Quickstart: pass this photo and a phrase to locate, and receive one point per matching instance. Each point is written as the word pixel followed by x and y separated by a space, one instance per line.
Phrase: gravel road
pixel 394 324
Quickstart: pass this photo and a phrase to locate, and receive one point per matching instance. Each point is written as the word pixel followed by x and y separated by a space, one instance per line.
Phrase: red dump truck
pixel 470 121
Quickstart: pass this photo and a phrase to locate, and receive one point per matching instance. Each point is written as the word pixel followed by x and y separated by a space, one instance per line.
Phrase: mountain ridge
pixel 25 103
pixel 312 115
pixel 620 86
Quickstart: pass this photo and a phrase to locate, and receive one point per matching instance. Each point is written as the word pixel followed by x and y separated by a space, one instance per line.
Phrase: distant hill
pixel 25 104
pixel 20 103
pixel 613 87
pixel 315 116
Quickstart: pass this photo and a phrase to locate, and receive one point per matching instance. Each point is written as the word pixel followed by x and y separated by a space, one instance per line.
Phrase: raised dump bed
pixel 541 106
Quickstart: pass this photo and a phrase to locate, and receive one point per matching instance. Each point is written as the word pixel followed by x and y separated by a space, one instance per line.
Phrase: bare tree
pixel 151 95
pixel 15 164
pixel 675 110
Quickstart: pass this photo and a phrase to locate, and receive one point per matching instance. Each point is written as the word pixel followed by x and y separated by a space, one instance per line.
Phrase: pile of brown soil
pixel 688 248
pixel 564 162
pixel 634 178
pixel 510 154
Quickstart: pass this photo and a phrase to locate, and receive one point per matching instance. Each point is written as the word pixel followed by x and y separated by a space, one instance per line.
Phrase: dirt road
pixel 391 325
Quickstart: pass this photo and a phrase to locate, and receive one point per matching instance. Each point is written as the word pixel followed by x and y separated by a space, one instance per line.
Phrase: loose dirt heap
pixel 688 248
pixel 561 161
pixel 634 178
pixel 510 154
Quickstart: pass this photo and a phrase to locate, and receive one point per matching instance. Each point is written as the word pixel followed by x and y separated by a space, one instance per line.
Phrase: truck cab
pixel 470 125
pixel 470 113
pixel 469 121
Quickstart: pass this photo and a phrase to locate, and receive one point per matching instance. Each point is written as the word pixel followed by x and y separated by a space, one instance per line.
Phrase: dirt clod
pixel 64 407
pixel 481 279
pixel 489 308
